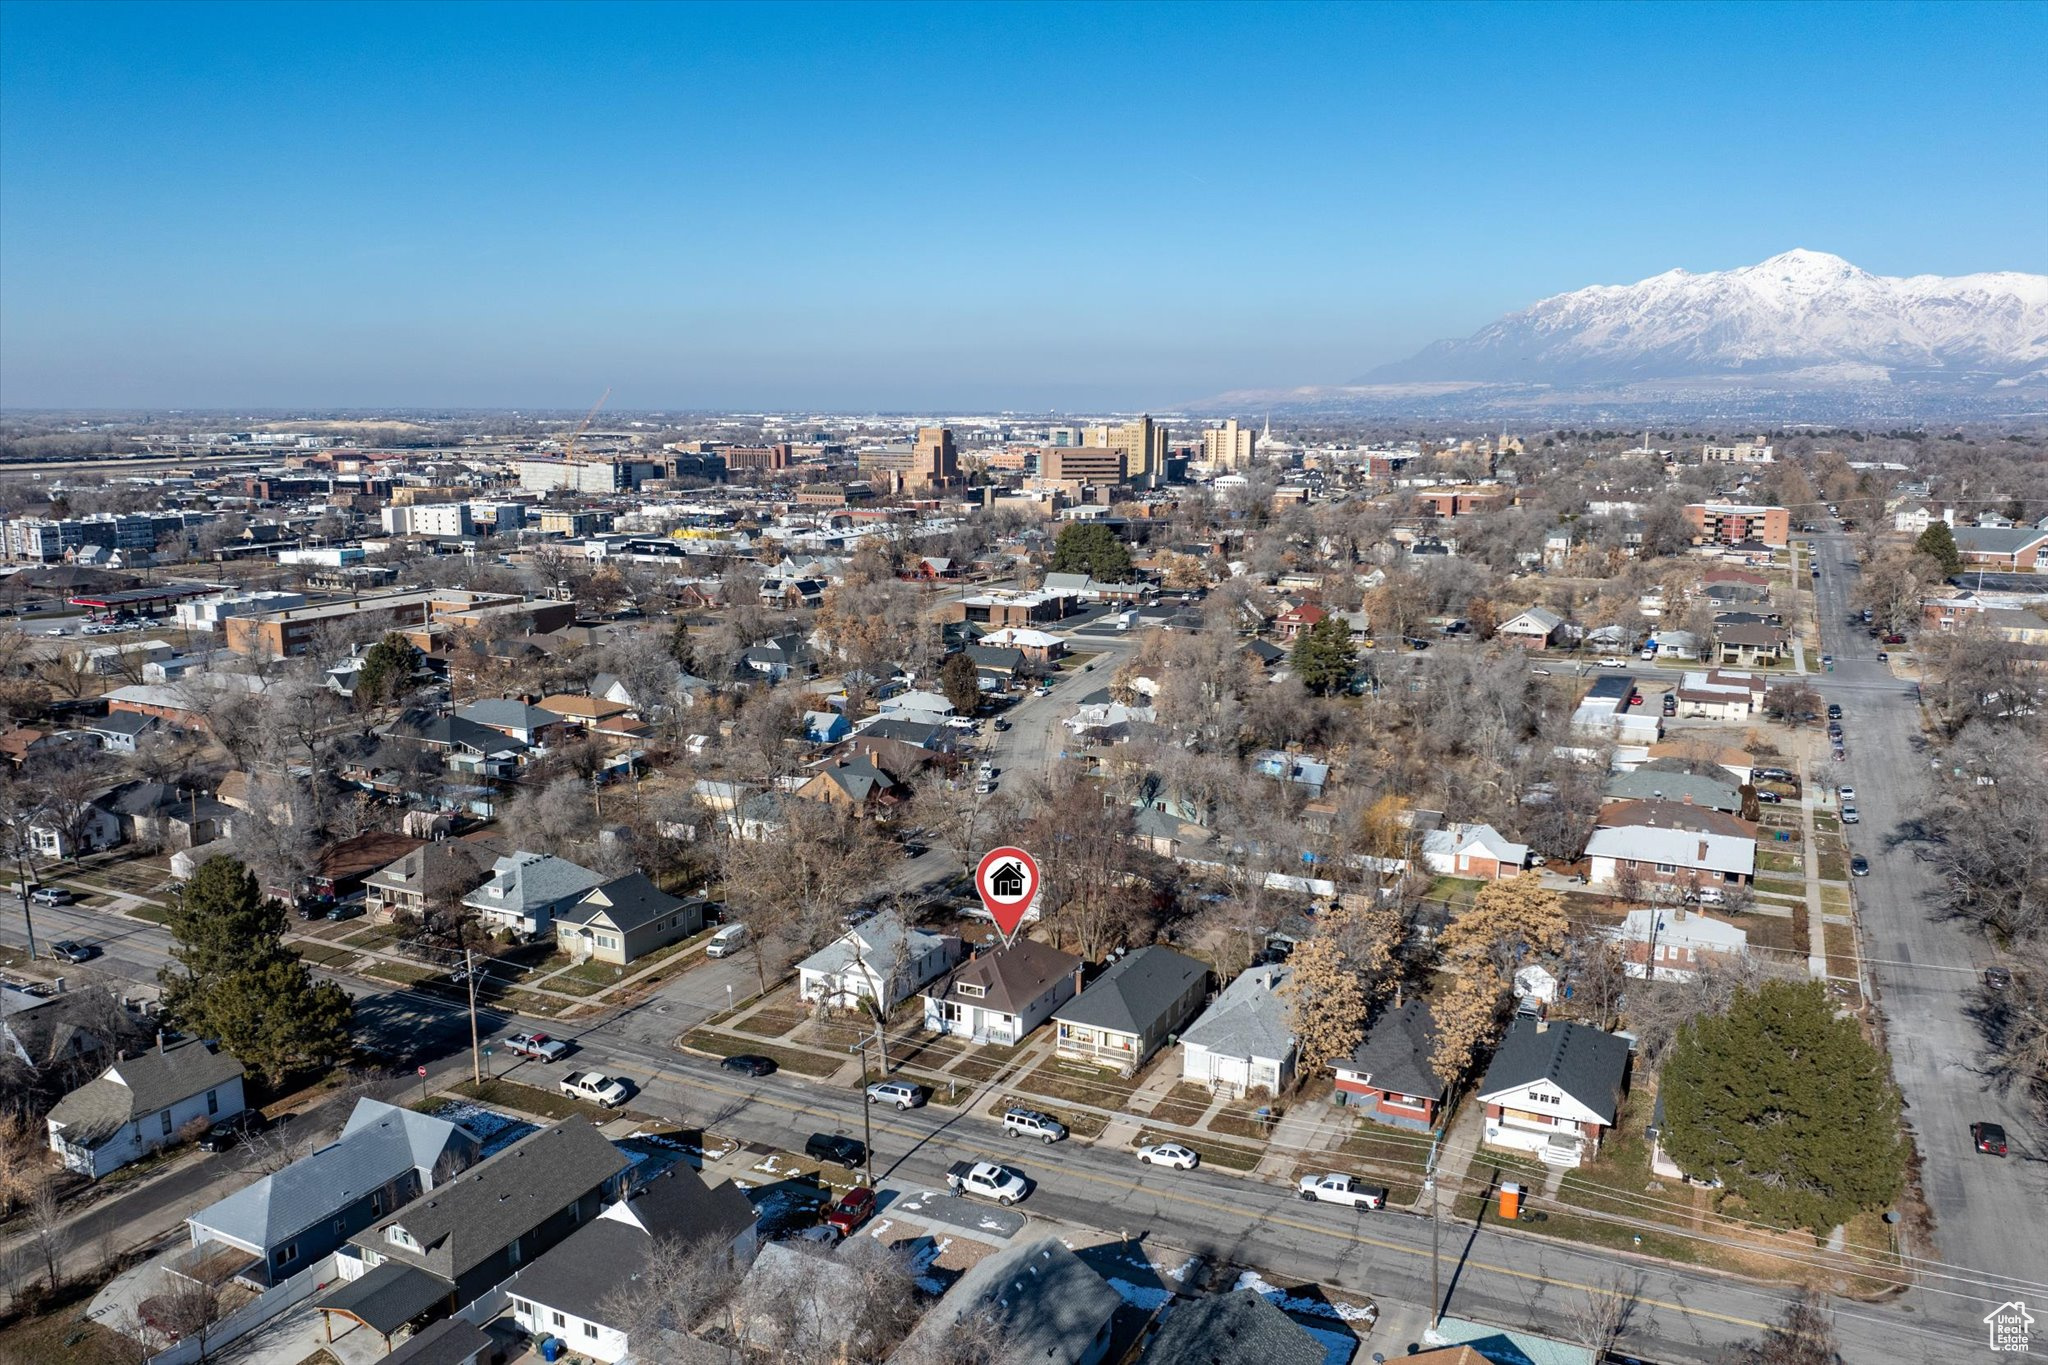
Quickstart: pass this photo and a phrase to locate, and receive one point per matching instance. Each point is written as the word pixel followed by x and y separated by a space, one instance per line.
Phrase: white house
pixel 1678 858
pixel 1553 1089
pixel 1000 995
pixel 1674 943
pixel 141 1103
pixel 1242 1042
pixel 1465 850
pixel 925 706
pixel 878 960
pixel 97 828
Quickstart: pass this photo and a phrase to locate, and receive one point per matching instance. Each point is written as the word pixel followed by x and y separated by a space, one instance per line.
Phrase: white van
pixel 727 941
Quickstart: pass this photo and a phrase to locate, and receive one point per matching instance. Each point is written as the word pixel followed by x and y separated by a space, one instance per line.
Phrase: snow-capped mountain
pixel 1803 321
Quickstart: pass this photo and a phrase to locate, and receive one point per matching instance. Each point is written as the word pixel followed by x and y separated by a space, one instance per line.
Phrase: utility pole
pixel 28 919
pixel 476 1063
pixel 867 1121
pixel 1436 1298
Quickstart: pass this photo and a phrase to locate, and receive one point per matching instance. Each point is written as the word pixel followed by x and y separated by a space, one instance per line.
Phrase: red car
pixel 1989 1137
pixel 855 1208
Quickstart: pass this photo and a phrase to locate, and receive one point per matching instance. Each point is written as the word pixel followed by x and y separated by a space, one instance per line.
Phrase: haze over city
pixel 930 208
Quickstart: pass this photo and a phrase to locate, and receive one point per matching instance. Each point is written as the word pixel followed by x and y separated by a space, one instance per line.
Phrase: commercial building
pixel 1229 446
pixel 1728 523
pixel 759 459
pixel 46 540
pixel 544 474
pixel 431 519
pixel 280 634
pixel 1742 452
pixel 1083 465
pixel 1143 443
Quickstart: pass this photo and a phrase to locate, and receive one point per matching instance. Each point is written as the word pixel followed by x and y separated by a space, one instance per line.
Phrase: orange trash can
pixel 1510 1201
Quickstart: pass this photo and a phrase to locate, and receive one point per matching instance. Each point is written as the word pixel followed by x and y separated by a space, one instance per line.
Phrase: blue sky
pixel 940 207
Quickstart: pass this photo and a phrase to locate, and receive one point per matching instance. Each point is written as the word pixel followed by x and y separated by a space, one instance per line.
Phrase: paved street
pixel 1988 1212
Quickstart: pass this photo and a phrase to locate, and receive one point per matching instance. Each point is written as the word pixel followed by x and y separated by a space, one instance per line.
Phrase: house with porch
pixel 1125 1014
pixel 527 890
pixel 1553 1090
pixel 999 995
pixel 1672 943
pixel 1242 1042
pixel 623 920
pixel 510 716
pixel 1536 628
pixel 1746 646
pixel 1389 1077
pixel 436 874
pixel 141 1104
pixel 880 959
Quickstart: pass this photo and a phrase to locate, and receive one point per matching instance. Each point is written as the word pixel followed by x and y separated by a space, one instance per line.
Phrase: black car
pixel 1769 798
pixel 1997 979
pixel 222 1136
pixel 1834 710
pixel 69 951
pixel 750 1064
pixel 1859 866
pixel 848 1152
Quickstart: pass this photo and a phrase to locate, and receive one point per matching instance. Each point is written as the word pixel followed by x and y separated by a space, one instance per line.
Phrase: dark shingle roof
pixel 139 1086
pixel 1046 1305
pixel 1011 977
pixel 1585 1063
pixel 628 902
pixel 1231 1329
pixel 1396 1050
pixel 451 1341
pixel 388 1296
pixel 1136 990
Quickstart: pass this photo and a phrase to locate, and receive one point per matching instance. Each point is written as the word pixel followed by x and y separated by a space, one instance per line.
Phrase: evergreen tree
pixel 387 667
pixel 240 984
pixel 1323 656
pixel 1085 547
pixel 961 683
pixel 1938 543
pixel 1788 1105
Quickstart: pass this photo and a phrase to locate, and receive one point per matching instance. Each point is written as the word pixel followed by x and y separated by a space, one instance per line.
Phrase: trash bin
pixel 1510 1204
pixel 551 1349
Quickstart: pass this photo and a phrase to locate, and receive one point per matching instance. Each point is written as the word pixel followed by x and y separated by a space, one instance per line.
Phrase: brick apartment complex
pixel 1728 523
pixel 1457 502
pixel 280 634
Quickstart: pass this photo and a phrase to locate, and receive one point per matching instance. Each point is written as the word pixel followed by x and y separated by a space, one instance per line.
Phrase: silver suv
pixel 1031 1123
pixel 902 1094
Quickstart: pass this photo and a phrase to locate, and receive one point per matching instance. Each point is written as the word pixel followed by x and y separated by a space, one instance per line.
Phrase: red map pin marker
pixel 1007 880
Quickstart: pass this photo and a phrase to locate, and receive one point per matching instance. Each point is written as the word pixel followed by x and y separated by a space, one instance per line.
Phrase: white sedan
pixel 1169 1154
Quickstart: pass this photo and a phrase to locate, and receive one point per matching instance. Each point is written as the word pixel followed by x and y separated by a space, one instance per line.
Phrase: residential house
pixel 877 960
pixel 854 781
pixel 509 716
pixel 1125 1014
pixel 1672 944
pixel 1721 694
pixel 1748 646
pixel 929 708
pixel 1536 628
pixel 1041 1303
pixel 142 1103
pixel 941 739
pixel 20 745
pixel 1307 773
pixel 465 746
pixel 342 868
pixel 527 890
pixel 65 1036
pixel 996 666
pixel 122 732
pixel 1239 1328
pixel 1038 646
pixel 1473 850
pixel 622 921
pixel 1242 1042
pixel 1298 620
pixel 1553 1089
pixel 451 1341
pixel 162 815
pixel 572 1292
pixel 1671 846
pixel 1000 994
pixel 385 1157
pixel 455 1243
pixel 1390 1076
pixel 1736 763
pixel 1735 585
pixel 435 875
pixel 1652 782
pixel 825 727
pixel 791 1297
pixel 777 658
pixel 52 833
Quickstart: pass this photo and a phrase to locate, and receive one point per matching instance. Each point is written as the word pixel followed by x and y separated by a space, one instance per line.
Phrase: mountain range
pixel 1803 332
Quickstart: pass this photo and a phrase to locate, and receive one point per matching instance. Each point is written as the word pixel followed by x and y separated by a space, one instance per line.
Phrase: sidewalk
pixel 1816 917
pixel 1305 1128
pixel 1456 1155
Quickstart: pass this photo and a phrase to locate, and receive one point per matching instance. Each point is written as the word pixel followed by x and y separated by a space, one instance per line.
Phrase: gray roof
pixel 469 1220
pixel 628 902
pixel 1396 1051
pixel 1243 1328
pixel 881 939
pixel 1585 1063
pixel 1249 1019
pixel 1647 784
pixel 451 1341
pixel 1997 540
pixel 388 1296
pixel 139 1086
pixel 524 882
pixel 915 732
pixel 1137 989
pixel 582 1272
pixel 121 723
pixel 380 1143
pixel 508 712
pixel 1011 977
pixel 1046 1305
pixel 434 866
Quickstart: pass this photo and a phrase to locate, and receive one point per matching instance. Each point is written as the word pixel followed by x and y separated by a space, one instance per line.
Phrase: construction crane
pixel 569 446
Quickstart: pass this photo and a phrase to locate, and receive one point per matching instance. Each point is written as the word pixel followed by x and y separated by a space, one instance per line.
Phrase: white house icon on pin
pixel 2010 1326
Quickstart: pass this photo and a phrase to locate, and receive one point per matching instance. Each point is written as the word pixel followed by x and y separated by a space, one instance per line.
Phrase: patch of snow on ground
pixel 988 1224
pixel 723 1149
pixel 1138 1296
pixel 1179 1273
pixel 769 1165
pixel 1294 1303
pixel 880 1227
pixel 494 1130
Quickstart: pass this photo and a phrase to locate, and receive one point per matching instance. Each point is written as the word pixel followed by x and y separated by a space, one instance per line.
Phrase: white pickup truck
pixel 594 1086
pixel 986 1179
pixel 1342 1189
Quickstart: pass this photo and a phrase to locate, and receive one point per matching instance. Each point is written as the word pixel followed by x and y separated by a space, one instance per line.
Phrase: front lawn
pixel 1184 1104
pixel 1080 1084
pixel 499 1093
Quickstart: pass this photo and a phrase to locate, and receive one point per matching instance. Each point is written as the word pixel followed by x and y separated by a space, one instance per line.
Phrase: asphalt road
pixel 1988 1212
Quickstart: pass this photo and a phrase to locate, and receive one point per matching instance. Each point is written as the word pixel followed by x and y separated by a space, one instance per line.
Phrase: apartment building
pixel 1742 452
pixel 1728 523
pixel 280 634
pixel 1229 446
pixel 430 519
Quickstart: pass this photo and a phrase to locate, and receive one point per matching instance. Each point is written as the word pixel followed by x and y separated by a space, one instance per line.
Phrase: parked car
pixel 52 895
pixel 1769 798
pixel 902 1094
pixel 1997 979
pixel 66 950
pixel 1707 895
pixel 1851 816
pixel 1845 794
pixel 847 1151
pixel 222 1136
pixel 1170 1154
pixel 538 1046
pixel 1000 724
pixel 1031 1123
pixel 1859 866
pixel 1883 657
pixel 1834 710
pixel 1610 662
pixel 1342 1189
pixel 748 1064
pixel 855 1207
pixel 595 1087
pixel 1988 1138
pixel 1895 639
pixel 727 941
pixel 987 1179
